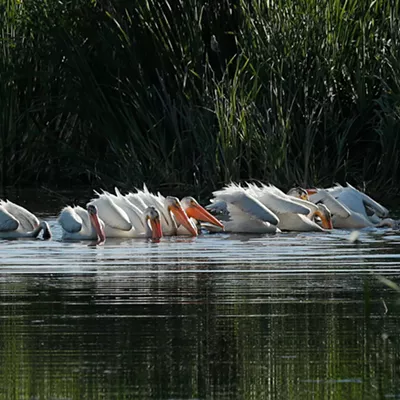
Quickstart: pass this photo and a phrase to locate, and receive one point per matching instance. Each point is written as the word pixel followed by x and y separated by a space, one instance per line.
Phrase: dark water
pixel 291 316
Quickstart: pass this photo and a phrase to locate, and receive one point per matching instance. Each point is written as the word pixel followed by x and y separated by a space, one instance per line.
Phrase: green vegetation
pixel 124 92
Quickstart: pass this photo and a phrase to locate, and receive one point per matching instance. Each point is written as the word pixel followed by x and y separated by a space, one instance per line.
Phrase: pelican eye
pixel 92 209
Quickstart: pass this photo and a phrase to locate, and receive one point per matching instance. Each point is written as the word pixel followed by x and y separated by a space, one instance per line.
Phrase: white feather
pixel 18 222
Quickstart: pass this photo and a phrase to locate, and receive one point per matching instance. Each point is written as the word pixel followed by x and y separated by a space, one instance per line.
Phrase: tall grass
pixel 109 93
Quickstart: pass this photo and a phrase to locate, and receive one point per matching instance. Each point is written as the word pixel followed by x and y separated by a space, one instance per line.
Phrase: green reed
pixel 295 92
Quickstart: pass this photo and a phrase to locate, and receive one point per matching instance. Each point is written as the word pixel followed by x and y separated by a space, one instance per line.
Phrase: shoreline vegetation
pixel 200 93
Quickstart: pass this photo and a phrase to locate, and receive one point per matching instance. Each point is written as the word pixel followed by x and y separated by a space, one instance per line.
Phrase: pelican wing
pixel 240 202
pixel 133 212
pixel 217 207
pixel 111 214
pixel 380 210
pixel 334 206
pixel 335 190
pixel 26 219
pixel 136 200
pixel 7 222
pixel 297 223
pixel 143 199
pixel 278 201
pixel 311 206
pixel 70 220
pixel 151 199
pixel 358 201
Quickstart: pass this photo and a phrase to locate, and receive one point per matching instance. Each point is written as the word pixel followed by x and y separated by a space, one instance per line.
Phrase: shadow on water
pixel 291 316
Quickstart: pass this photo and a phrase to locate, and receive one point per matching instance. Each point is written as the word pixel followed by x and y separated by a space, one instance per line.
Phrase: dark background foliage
pixel 118 93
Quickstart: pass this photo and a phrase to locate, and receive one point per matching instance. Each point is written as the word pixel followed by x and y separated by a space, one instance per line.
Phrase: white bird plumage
pixel 18 222
pixel 246 214
pixel 353 209
pixel 177 217
pixel 289 213
pixel 79 224
pixel 169 208
pixel 121 218
pixel 295 214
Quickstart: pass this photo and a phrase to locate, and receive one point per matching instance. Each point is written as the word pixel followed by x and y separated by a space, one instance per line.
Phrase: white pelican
pixel 307 223
pixel 80 224
pixel 245 213
pixel 172 211
pixel 18 222
pixel 121 218
pixel 335 206
pixel 199 217
pixel 277 201
pixel 294 213
pixel 358 201
pixel 357 209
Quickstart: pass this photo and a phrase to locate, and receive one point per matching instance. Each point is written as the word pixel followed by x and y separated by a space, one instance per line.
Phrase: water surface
pixel 288 316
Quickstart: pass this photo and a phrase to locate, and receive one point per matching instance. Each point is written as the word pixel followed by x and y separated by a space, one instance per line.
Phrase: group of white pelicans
pixel 246 208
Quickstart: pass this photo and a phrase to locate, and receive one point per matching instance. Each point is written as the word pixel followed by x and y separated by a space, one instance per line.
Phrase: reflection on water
pixel 291 316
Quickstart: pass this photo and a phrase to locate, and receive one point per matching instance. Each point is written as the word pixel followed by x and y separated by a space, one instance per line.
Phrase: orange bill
pixel 311 191
pixel 101 236
pixel 196 211
pixel 326 221
pixel 156 228
pixel 183 219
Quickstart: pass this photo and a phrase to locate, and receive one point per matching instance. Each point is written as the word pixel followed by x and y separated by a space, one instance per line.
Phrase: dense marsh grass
pixel 108 93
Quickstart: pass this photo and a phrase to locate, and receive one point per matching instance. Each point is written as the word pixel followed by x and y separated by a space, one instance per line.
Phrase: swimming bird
pixel 18 222
pixel 80 224
pixel 177 217
pixel 242 212
pixel 198 213
pixel 359 202
pixel 294 213
pixel 121 218
pixel 352 210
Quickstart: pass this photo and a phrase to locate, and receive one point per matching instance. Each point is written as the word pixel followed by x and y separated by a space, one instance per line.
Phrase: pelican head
pixel 298 192
pixel 94 218
pixel 175 207
pixel 46 230
pixel 153 217
pixel 325 215
pixel 195 210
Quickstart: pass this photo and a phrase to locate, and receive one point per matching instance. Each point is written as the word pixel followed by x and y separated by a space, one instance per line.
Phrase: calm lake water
pixel 290 316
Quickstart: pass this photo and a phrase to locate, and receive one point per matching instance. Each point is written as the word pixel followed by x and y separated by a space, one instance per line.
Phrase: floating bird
pixel 359 202
pixel 196 214
pixel 290 213
pixel 18 222
pixel 307 223
pixel 121 218
pixel 243 212
pixel 352 210
pixel 80 224
pixel 294 211
pixel 177 217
